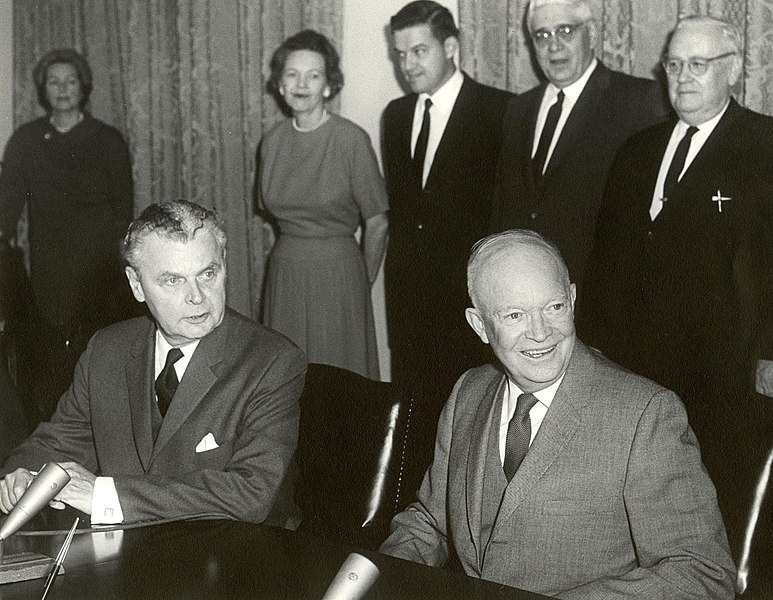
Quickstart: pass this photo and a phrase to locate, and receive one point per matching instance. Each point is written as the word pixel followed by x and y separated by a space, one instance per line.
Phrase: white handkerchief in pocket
pixel 207 443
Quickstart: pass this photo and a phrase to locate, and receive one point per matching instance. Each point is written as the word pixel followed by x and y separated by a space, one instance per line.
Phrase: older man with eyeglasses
pixel 561 136
pixel 683 292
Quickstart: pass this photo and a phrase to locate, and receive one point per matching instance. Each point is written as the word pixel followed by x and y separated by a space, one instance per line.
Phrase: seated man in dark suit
pixel 557 471
pixel 218 434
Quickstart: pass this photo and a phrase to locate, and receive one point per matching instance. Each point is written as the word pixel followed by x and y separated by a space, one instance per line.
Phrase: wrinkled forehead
pixel 550 16
pixel 702 39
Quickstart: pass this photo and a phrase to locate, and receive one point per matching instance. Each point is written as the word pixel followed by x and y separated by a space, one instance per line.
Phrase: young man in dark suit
pixel 193 412
pixel 441 143
pixel 683 291
pixel 555 156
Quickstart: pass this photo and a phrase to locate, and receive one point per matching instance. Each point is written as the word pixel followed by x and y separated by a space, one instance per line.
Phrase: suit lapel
pixel 457 132
pixel 697 167
pixel 580 119
pixel 485 418
pixel 404 124
pixel 555 433
pixel 202 373
pixel 139 380
pixel 531 113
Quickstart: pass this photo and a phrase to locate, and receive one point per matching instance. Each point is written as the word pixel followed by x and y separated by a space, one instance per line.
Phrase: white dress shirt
pixel 105 505
pixel 443 102
pixel 696 143
pixel 571 94
pixel 536 414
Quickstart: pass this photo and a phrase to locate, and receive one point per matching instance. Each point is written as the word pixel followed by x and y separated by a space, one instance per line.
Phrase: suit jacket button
pixel 420 226
pixel 649 235
pixel 533 215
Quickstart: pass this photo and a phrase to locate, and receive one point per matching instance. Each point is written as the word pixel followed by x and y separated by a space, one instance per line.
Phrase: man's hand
pixel 764 383
pixel 12 487
pixel 80 491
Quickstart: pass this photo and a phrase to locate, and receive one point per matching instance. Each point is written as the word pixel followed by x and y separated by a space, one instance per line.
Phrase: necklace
pixel 66 128
pixel 325 116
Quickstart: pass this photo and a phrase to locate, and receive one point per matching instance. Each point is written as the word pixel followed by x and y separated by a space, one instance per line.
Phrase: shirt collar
pixel 573 90
pixel 163 347
pixel 445 97
pixel 544 396
pixel 704 128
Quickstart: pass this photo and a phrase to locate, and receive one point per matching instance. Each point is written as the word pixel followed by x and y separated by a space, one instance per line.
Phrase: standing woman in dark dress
pixel 73 173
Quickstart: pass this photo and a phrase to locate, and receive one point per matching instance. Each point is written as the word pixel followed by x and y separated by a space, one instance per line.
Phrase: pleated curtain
pixel 495 46
pixel 184 80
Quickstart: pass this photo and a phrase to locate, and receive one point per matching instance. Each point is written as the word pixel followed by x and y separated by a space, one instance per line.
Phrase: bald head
pixel 521 242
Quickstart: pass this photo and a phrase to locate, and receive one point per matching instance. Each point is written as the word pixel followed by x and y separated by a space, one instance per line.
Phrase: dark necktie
pixel 518 435
pixel 677 163
pixel 548 130
pixel 420 152
pixel 166 384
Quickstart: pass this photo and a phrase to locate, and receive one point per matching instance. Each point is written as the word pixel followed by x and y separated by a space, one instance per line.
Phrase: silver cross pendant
pixel 719 199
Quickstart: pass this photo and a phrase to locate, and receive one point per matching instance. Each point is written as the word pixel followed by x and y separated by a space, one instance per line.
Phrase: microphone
pixel 47 484
pixel 353 580
pixel 27 565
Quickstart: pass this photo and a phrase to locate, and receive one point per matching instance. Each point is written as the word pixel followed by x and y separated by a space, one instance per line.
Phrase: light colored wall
pixel 6 71
pixel 370 83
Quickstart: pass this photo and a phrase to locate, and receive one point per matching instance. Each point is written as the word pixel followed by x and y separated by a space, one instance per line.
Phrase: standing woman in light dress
pixel 318 182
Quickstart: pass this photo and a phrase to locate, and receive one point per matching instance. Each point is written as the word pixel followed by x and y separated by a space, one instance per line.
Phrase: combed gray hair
pixel 582 7
pixel 485 249
pixel 178 220
pixel 727 30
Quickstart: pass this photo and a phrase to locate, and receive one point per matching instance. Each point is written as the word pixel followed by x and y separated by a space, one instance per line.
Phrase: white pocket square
pixel 207 443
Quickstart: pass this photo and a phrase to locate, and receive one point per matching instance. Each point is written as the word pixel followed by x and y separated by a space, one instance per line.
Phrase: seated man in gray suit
pixel 557 471
pixel 216 435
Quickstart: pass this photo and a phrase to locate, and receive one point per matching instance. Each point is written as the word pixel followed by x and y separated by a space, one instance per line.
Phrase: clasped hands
pixel 77 493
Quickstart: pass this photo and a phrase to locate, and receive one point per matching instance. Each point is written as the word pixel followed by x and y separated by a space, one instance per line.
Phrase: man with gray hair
pixel 556 471
pixel 561 136
pixel 683 291
pixel 191 412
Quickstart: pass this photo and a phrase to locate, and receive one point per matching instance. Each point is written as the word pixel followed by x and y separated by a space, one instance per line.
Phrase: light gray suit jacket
pixel 241 385
pixel 612 500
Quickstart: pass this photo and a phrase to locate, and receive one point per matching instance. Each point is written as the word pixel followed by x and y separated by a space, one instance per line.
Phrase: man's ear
pixel 593 33
pixel 135 284
pixel 476 322
pixel 736 68
pixel 451 46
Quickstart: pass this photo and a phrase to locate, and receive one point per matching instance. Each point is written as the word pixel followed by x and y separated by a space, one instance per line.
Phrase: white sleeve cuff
pixel 105 506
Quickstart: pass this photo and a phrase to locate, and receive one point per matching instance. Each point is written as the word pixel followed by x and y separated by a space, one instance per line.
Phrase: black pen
pixel 59 559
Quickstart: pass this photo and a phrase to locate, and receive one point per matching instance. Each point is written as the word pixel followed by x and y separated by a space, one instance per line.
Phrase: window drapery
pixel 184 80
pixel 633 36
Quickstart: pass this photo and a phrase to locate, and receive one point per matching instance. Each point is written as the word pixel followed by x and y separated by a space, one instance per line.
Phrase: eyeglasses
pixel 565 33
pixel 696 65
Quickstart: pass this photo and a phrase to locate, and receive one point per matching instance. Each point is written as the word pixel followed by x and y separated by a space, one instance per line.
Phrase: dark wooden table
pixel 225 559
